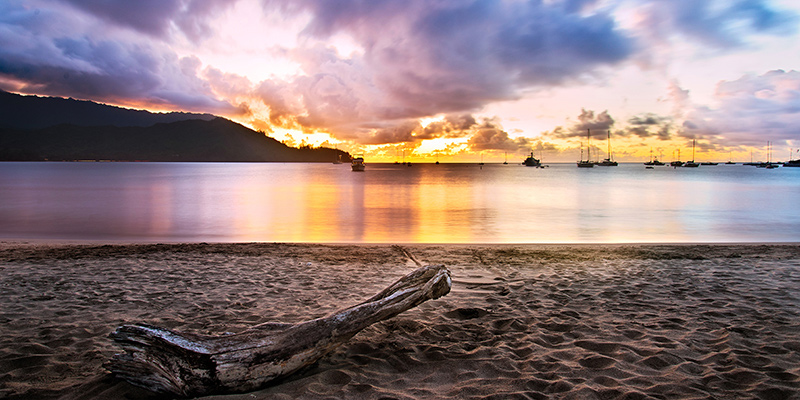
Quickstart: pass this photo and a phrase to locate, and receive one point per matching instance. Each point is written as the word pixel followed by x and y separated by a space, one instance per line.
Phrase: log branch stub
pixel 186 364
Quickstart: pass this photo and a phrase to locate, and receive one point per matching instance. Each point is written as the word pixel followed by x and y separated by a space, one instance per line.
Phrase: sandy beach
pixel 522 321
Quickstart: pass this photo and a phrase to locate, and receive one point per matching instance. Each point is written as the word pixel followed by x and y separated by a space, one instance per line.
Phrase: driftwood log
pixel 187 364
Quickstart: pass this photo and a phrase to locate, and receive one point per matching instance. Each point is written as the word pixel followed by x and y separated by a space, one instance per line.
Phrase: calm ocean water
pixel 389 203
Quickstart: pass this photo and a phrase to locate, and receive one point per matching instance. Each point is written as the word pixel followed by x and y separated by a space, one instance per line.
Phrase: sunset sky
pixel 455 80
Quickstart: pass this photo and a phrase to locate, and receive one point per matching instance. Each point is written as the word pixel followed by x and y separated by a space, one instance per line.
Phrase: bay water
pixel 395 203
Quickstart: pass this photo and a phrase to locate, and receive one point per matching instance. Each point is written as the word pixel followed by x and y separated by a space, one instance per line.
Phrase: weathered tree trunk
pixel 186 364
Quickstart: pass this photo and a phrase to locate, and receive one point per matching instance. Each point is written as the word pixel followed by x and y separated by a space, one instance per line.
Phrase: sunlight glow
pixel 424 122
pixel 442 145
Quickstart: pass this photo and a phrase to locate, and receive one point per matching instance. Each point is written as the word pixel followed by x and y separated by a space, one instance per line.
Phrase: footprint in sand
pixel 466 313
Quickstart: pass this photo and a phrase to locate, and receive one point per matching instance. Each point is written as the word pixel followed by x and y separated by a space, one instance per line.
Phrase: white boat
pixel 358 163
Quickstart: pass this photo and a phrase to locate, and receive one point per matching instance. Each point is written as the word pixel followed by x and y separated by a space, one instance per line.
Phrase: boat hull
pixel 531 162
pixel 607 163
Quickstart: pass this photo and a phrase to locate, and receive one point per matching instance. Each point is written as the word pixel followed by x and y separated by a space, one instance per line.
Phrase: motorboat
pixel 532 161
pixel 358 163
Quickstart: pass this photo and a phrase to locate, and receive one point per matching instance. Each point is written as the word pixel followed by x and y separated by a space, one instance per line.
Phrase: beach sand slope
pixel 526 321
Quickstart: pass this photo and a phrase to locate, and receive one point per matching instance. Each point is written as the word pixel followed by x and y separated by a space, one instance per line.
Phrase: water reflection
pixel 395 204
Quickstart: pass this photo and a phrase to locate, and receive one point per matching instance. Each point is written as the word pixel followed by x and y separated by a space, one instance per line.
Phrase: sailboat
pixel 692 164
pixel 608 162
pixel 791 162
pixel 751 163
pixel 678 162
pixel 404 160
pixel 653 161
pixel 769 164
pixel 587 163
pixel 730 159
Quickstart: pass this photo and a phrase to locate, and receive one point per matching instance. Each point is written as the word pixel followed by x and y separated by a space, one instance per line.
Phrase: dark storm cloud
pixel 157 17
pixel 113 72
pixel 52 53
pixel 425 58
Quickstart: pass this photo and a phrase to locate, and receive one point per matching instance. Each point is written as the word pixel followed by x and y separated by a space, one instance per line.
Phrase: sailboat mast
pixel 588 145
pixel 609 145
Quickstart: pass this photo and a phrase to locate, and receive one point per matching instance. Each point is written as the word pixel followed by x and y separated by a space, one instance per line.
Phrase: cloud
pixel 412 59
pixel 421 59
pixel 721 23
pixel 589 122
pixel 98 67
pixel 747 111
pixel 396 133
pixel 484 135
pixel 489 135
pixel 157 17
pixel 452 126
pixel 649 125
pixel 750 110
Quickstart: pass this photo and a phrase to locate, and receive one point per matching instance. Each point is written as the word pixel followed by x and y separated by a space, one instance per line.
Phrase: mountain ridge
pixel 36 112
pixel 102 132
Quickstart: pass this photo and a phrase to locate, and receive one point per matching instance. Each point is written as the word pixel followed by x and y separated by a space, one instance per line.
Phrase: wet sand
pixel 522 321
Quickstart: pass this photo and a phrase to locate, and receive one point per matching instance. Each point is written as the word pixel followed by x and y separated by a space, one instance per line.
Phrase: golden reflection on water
pixel 395 204
pixel 446 204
